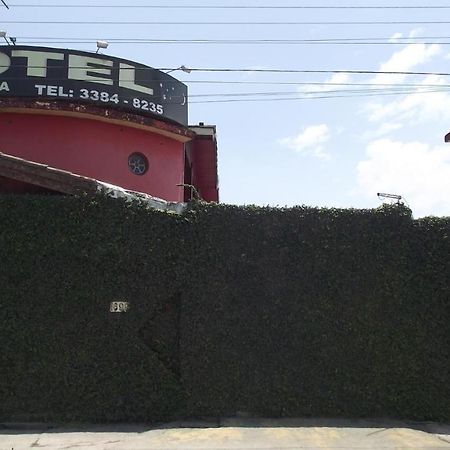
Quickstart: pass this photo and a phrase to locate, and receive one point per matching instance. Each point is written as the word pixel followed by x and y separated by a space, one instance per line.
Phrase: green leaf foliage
pixel 272 311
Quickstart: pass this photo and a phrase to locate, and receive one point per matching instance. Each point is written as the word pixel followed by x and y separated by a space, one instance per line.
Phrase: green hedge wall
pixel 309 312
pixel 64 355
pixel 269 311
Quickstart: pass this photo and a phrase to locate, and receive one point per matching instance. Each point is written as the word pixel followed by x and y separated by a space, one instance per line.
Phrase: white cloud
pixel 331 83
pixel 386 128
pixel 415 170
pixel 310 140
pixel 405 60
pixel 416 32
pixel 382 130
pixel 338 78
pixel 418 107
pixel 395 37
pixel 417 104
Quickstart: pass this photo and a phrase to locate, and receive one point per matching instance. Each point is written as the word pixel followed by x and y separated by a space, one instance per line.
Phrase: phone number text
pixel 98 96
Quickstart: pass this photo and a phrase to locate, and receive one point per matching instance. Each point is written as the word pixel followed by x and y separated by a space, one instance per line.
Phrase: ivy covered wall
pixel 275 312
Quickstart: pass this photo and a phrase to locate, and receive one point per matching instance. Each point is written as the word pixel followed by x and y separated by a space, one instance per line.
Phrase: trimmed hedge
pixel 64 355
pixel 275 312
pixel 309 312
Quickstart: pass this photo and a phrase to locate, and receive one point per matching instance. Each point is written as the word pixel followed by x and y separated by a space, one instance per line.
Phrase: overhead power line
pixel 135 39
pixel 367 72
pixel 330 41
pixel 160 6
pixel 386 86
pixel 132 22
pixel 312 83
pixel 372 87
pixel 255 70
pixel 320 97
pixel 332 91
pixel 359 87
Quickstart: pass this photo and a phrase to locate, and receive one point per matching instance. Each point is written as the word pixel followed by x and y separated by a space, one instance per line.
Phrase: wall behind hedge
pixel 275 312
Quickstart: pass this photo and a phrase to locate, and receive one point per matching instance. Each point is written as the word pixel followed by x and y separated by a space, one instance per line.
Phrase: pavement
pixel 232 434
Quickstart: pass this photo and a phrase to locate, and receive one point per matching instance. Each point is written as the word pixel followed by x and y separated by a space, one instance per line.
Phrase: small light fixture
pixel 102 44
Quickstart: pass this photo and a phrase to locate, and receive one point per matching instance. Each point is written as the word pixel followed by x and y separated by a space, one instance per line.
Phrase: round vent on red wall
pixel 138 163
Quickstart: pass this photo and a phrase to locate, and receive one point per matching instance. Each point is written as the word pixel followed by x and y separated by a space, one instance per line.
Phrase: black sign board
pixel 71 75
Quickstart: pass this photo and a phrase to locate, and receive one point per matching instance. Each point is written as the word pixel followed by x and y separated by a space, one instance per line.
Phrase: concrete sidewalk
pixel 233 434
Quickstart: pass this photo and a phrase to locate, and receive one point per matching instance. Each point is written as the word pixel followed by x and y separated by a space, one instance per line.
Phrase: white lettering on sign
pixel 45 90
pixel 37 61
pixel 40 88
pixel 81 68
pixel 52 91
pixel 61 92
pixel 100 79
pixel 5 62
pixel 127 77
pixel 119 307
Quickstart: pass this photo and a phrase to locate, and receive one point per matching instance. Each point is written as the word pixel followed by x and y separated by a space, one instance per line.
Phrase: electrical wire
pixel 312 83
pixel 305 95
pixel 304 71
pixel 359 87
pixel 406 40
pixel 254 70
pixel 367 41
pixel 279 23
pixel 311 98
pixel 362 91
pixel 270 7
pixel 269 83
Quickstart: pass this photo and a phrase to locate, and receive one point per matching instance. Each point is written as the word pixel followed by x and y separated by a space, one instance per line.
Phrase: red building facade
pixel 108 119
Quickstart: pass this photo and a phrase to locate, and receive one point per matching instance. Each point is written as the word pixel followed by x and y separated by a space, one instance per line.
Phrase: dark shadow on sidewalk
pixel 378 425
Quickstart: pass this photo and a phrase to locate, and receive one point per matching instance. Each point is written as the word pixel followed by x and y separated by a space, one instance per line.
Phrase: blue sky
pixel 336 152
